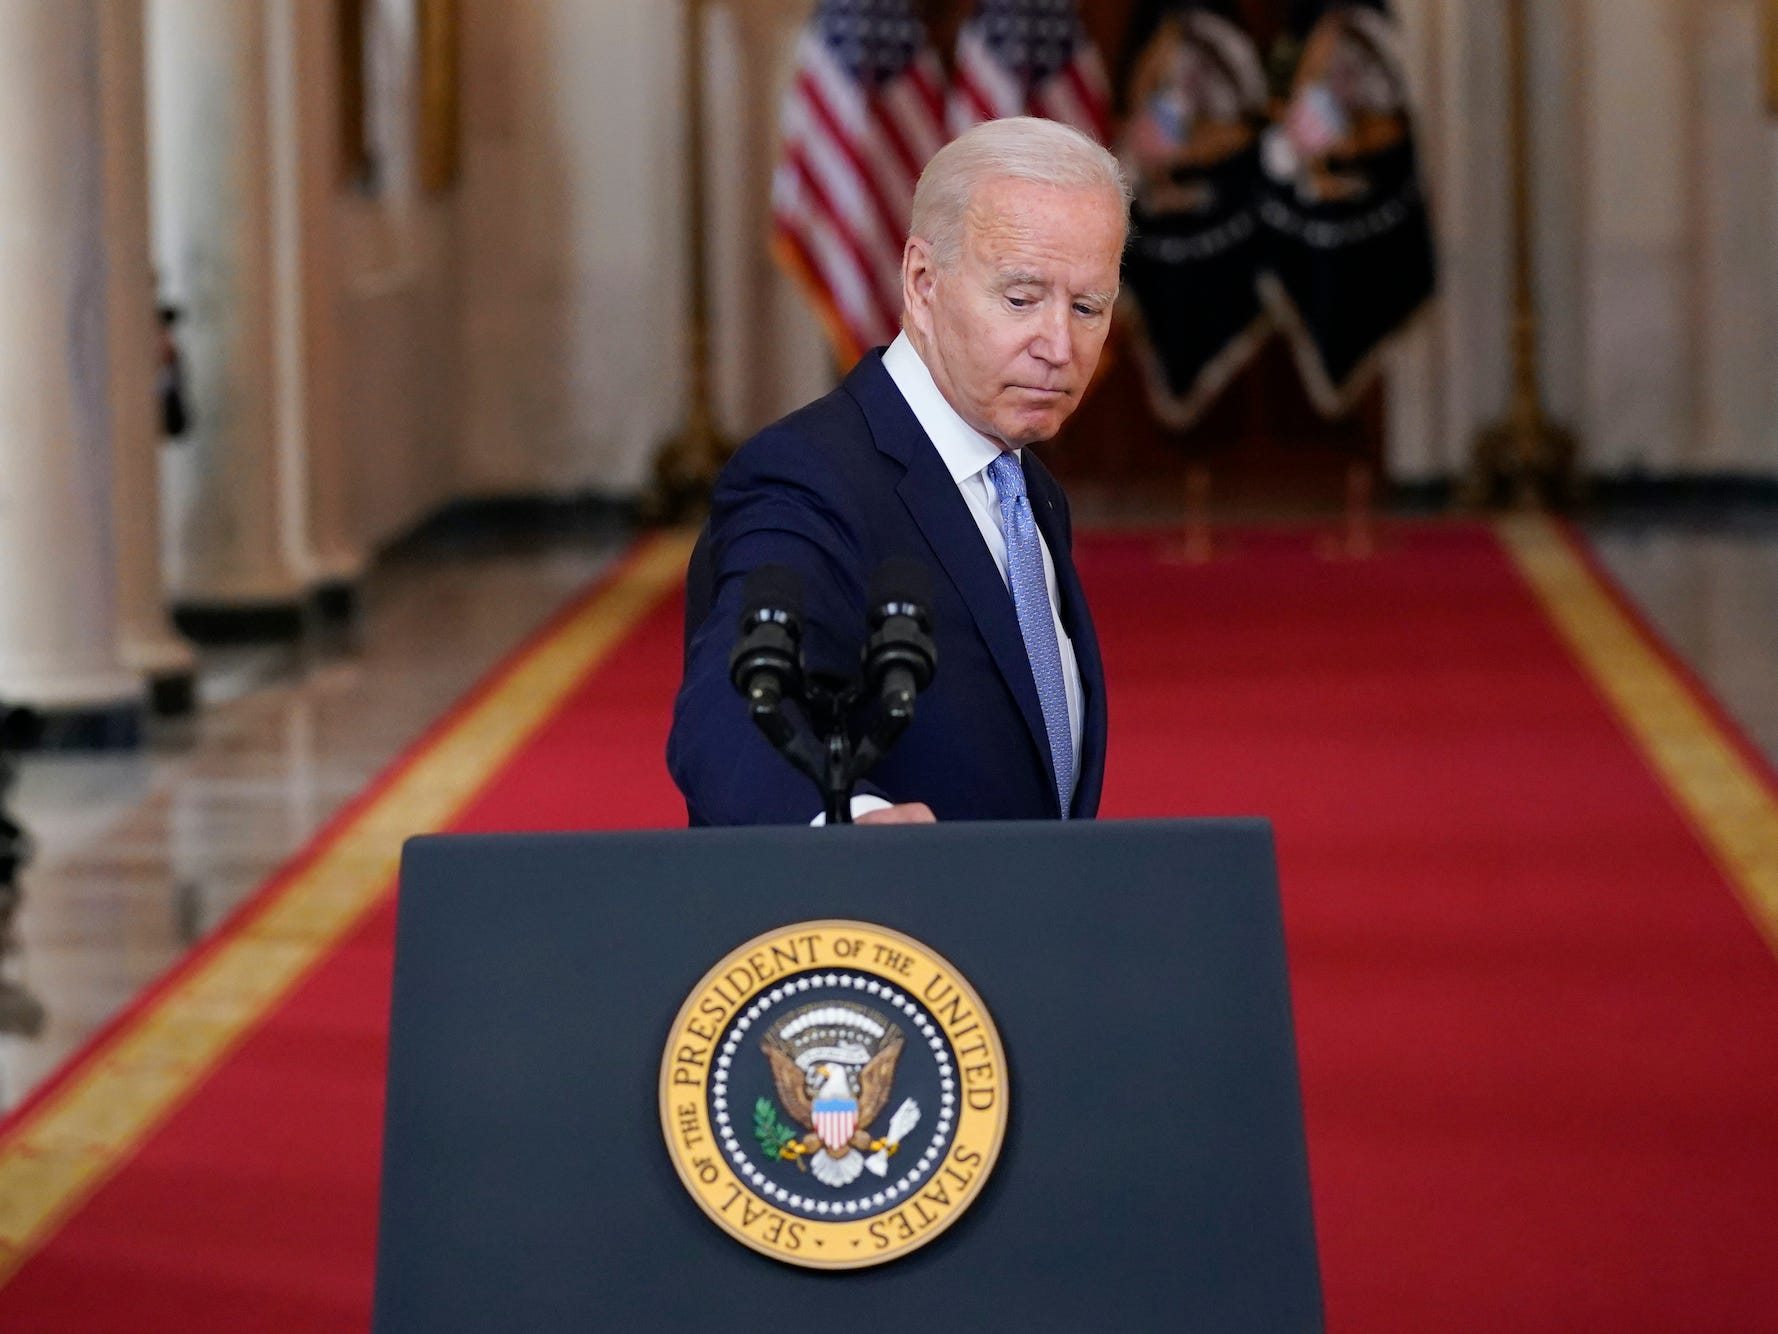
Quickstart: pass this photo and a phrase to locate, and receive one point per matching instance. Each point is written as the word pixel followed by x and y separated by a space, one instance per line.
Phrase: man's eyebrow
pixel 1021 278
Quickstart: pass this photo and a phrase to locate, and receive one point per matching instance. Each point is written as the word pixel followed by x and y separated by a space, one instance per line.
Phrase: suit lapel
pixel 943 517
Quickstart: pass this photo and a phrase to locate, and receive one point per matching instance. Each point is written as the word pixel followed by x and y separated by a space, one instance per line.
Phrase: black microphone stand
pixel 829 706
pixel 826 749
pixel 767 667
pixel 822 752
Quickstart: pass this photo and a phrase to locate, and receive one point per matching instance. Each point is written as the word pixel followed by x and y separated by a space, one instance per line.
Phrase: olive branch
pixel 773 1135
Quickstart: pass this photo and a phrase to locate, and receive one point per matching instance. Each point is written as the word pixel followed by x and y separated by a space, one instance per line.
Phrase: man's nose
pixel 1054 343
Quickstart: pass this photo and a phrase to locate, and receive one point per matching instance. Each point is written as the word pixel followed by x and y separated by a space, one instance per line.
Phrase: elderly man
pixel 1008 281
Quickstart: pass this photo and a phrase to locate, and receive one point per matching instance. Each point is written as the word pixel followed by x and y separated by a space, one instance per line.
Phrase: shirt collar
pixel 965 450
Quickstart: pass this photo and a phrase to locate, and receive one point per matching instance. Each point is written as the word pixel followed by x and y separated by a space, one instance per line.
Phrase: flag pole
pixel 686 464
pixel 1527 457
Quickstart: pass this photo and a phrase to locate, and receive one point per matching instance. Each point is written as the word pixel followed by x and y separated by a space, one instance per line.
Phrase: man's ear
pixel 918 275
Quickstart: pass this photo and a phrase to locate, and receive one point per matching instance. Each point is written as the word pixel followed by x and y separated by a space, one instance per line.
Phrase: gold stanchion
pixel 1197 539
pixel 1526 458
pixel 686 465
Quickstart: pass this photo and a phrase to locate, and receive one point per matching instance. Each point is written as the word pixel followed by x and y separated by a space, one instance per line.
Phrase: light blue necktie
pixel 1030 596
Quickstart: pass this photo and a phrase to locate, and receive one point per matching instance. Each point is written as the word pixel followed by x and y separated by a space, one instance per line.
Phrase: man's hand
pixel 913 812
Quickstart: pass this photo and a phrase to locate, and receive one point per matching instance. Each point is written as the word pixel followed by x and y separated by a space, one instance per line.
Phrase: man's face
pixel 1013 330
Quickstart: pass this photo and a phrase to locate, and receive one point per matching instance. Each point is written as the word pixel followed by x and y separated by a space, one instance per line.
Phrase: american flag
pixel 864 112
pixel 1029 58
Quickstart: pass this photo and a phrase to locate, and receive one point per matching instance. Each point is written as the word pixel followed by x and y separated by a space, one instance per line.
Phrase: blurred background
pixel 344 341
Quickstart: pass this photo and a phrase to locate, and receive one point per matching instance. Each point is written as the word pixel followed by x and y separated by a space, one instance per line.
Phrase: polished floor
pixel 138 856
pixel 1708 580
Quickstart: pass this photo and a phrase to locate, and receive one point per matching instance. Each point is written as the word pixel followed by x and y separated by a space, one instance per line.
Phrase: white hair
pixel 1020 148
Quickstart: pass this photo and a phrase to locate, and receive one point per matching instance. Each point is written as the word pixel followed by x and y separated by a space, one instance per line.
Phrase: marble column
pixel 1639 125
pixel 59 623
pixel 1450 374
pixel 750 63
pixel 1734 192
pixel 306 79
pixel 150 644
pixel 236 489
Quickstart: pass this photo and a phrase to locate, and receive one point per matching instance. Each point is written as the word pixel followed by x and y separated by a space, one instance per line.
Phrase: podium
pixel 1152 1173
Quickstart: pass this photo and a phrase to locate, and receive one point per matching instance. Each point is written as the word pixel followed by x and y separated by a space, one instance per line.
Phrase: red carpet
pixel 1539 1033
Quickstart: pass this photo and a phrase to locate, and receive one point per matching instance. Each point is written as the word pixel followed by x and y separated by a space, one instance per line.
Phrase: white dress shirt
pixel 967 453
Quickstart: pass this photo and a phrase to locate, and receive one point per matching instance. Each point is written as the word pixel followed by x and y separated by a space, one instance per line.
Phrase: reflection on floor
pixel 1709 584
pixel 138 857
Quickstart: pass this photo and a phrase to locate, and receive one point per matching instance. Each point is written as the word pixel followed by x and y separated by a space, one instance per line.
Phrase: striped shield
pixel 835 1120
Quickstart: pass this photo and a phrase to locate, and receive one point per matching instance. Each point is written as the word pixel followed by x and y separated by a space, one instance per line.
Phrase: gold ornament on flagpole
pixel 1527 457
pixel 686 465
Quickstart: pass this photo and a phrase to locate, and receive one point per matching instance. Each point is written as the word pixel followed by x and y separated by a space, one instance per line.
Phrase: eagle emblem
pixel 815 1100
pixel 833 1066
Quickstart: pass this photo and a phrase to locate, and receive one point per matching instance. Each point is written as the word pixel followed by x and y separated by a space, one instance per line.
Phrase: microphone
pixel 767 662
pixel 900 657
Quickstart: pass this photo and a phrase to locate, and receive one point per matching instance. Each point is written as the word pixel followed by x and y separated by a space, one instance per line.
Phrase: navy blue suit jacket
pixel 833 491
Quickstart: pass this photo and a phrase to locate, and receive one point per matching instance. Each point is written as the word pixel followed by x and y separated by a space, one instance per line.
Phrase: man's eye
pixel 1085 311
pixel 1018 302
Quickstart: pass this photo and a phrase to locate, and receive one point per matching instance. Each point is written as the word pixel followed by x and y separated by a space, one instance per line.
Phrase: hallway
pixel 139 856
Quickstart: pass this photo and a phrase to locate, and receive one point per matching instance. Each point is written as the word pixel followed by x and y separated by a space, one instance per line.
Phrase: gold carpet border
pixel 59 1154
pixel 1728 801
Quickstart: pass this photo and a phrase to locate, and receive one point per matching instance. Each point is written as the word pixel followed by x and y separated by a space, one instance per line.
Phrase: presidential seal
pixel 833 1094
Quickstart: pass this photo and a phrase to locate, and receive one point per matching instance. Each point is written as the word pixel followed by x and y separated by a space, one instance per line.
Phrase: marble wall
pixel 571 273
pixel 574 247
pixel 1655 213
pixel 395 295
pixel 60 640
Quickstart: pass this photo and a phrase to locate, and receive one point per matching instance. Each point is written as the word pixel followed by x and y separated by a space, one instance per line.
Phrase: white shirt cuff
pixel 861 805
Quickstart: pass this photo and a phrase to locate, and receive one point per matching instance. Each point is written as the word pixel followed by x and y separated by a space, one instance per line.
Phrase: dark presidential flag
pixel 1343 212
pixel 1193 96
pixel 1029 58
